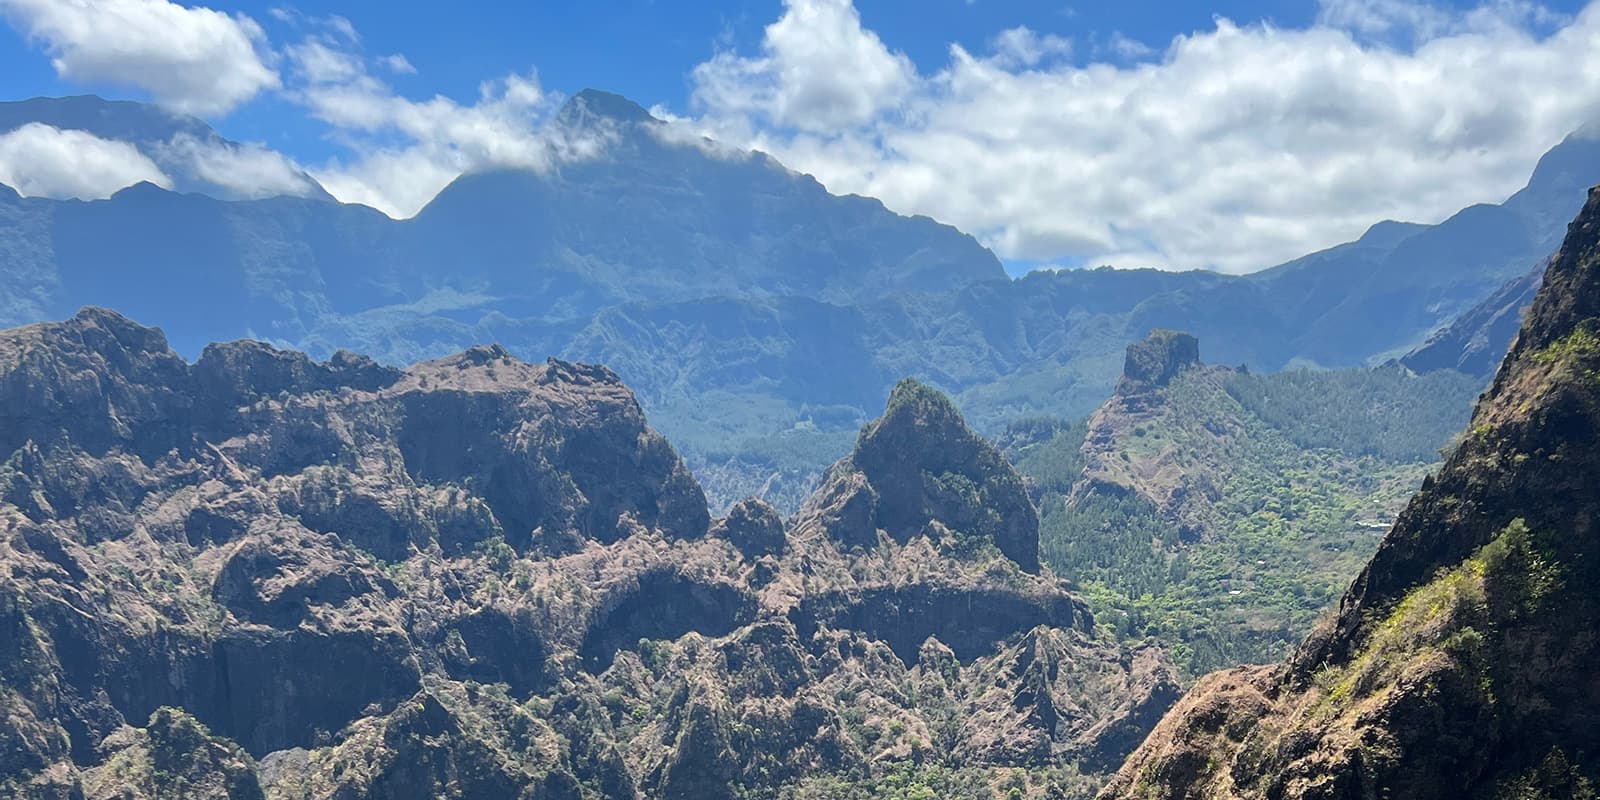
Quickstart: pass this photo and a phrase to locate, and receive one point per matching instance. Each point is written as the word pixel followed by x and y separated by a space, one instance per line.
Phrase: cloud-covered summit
pixel 87 148
pixel 1233 146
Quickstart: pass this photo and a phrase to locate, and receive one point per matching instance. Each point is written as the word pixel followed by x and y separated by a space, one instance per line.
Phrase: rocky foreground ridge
pixel 1462 662
pixel 262 576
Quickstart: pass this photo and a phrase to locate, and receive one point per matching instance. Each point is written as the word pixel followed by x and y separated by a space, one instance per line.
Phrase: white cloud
pixel 819 69
pixel 1423 21
pixel 247 170
pixel 1122 46
pixel 403 150
pixel 320 62
pixel 396 181
pixel 1023 47
pixel 398 64
pixel 41 161
pixel 1236 148
pixel 194 60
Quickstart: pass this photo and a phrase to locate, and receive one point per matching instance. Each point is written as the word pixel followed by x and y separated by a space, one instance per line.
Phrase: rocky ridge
pixel 258 575
pixel 1476 341
pixel 1460 663
pixel 1178 477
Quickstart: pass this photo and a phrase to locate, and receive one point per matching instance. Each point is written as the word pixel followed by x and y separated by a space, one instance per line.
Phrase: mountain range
pixel 192 156
pixel 749 557
pixel 759 317
pixel 258 575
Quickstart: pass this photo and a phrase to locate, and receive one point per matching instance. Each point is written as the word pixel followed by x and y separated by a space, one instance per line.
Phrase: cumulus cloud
pixel 400 151
pixel 1422 21
pixel 42 161
pixel 1235 147
pixel 439 139
pixel 195 60
pixel 819 69
pixel 405 150
pixel 249 171
pixel 1023 47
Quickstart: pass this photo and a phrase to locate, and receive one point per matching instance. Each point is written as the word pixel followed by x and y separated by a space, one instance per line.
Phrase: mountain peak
pixel 1390 232
pixel 919 470
pixel 595 104
pixel 1161 356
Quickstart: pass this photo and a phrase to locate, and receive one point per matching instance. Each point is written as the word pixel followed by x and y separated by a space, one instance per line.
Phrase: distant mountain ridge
pixel 187 150
pixel 1475 342
pixel 651 221
pixel 759 317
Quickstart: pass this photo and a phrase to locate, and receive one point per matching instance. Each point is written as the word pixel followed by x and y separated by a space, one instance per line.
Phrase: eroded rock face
pixel 968 620
pixel 919 465
pixel 262 575
pixel 1182 483
pixel 236 373
pixel 663 605
pixel 1461 661
pixel 754 527
pixel 1036 708
pixel 553 450
pixel 1160 356
pixel 173 755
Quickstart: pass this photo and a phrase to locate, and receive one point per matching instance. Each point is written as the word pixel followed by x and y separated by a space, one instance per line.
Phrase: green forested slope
pixel 1223 511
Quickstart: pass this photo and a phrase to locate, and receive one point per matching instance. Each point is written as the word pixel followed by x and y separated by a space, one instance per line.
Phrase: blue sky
pixel 1223 134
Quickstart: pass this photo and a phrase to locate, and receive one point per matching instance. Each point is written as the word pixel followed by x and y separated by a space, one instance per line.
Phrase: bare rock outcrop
pixel 265 576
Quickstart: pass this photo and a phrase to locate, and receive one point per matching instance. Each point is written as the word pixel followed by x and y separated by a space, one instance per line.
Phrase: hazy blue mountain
pixel 184 147
pixel 656 218
pixel 266 268
pixel 1375 295
pixel 759 317
pixel 649 220
pixel 1476 341
pixel 139 123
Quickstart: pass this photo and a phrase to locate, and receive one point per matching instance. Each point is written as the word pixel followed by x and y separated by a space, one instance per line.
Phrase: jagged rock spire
pixel 919 465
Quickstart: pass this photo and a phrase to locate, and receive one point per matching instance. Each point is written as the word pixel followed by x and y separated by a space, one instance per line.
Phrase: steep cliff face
pixel 1476 341
pixel 1160 357
pixel 1182 473
pixel 1461 662
pixel 264 576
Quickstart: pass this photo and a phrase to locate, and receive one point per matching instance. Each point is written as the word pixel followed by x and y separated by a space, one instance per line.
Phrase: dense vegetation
pixel 907 780
pixel 1313 467
pixel 1387 412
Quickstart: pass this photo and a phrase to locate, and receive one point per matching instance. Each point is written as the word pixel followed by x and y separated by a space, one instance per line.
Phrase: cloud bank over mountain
pixel 1232 147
